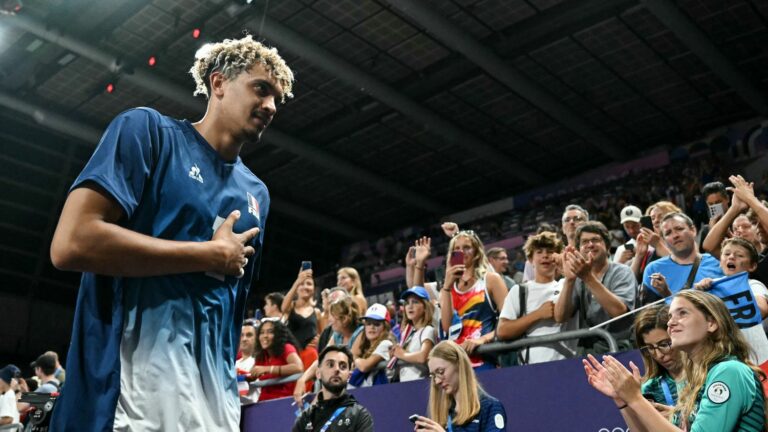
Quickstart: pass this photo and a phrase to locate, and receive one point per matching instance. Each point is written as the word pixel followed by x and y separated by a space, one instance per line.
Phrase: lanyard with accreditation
pixel 335 414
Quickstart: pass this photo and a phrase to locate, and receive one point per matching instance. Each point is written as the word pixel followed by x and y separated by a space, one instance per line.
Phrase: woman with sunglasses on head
pixel 472 295
pixel 457 402
pixel 722 389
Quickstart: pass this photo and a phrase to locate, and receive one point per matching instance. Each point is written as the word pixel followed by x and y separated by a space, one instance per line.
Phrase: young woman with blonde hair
pixel 722 390
pixel 349 279
pixel 471 295
pixel 457 402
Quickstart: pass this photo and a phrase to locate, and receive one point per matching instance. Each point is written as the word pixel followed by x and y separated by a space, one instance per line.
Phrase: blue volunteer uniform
pixel 158 353
pixel 491 418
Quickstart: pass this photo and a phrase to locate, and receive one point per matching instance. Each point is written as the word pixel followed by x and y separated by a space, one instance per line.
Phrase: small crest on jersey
pixel 718 392
pixel 253 206
pixel 194 173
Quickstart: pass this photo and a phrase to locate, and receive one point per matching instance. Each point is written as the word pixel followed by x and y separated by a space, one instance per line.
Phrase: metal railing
pixel 275 381
pixel 502 347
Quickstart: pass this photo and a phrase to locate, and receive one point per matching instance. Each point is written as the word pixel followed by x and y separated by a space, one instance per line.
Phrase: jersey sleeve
pixel 729 392
pixel 122 162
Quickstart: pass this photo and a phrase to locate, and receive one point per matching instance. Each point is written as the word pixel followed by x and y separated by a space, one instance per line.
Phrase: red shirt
pixel 279 390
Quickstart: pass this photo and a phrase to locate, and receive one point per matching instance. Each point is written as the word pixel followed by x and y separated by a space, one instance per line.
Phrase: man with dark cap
pixel 45 371
pixel 9 413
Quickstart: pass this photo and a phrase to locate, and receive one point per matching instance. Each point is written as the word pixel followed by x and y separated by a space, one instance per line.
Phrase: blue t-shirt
pixel 677 274
pixel 158 353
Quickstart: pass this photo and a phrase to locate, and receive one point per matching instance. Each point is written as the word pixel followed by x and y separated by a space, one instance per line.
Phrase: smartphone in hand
pixel 646 222
pixel 306 265
pixel 716 210
pixel 457 258
pixel 629 246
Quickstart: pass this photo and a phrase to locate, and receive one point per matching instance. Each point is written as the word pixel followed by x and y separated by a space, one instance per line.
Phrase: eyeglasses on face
pixel 594 240
pixel 573 219
pixel 662 347
pixel 438 373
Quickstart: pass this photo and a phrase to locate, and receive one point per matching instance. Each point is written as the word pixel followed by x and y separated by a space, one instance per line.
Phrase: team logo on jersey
pixel 194 173
pixel 253 206
pixel 718 392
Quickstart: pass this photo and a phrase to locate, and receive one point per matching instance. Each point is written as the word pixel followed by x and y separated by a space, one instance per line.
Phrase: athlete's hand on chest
pixel 230 251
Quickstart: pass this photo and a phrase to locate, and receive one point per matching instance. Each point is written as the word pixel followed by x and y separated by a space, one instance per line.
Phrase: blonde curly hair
pixel 233 56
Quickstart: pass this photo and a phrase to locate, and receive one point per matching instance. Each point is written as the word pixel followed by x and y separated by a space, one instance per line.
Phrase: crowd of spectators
pixel 601 257
pixel 49 377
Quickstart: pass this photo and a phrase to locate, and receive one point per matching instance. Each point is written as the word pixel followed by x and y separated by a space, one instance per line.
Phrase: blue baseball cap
pixel 418 291
pixel 9 372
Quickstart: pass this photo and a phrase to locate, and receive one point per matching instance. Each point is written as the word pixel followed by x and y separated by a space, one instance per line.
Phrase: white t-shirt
pixel 413 372
pixel 246 364
pixel 755 335
pixel 620 250
pixel 536 296
pixel 8 406
pixel 382 350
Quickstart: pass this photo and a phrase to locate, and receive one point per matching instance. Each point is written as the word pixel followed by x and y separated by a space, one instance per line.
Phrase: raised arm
pixel 422 251
pixel 719 231
pixel 288 302
pixel 88 238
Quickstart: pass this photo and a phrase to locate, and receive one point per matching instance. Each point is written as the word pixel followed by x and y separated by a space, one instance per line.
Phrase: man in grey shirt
pixel 595 288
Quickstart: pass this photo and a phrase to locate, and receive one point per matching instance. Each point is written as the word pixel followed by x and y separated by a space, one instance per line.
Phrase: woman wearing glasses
pixel 457 403
pixel 722 389
pixel 663 368
pixel 470 297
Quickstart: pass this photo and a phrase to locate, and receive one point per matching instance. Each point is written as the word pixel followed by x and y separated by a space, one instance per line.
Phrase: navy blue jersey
pixel 158 353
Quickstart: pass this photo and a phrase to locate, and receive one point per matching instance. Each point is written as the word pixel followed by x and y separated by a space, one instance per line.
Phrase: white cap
pixel 631 214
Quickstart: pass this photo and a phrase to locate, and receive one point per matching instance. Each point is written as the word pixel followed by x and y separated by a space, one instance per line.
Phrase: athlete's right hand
pixel 232 254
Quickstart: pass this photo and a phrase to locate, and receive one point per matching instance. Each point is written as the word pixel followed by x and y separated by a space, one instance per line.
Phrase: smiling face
pixel 735 259
pixel 444 375
pixel 307 289
pixel 266 335
pixel 593 245
pixel 688 327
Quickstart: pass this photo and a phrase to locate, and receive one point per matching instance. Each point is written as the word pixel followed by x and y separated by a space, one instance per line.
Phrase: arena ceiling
pixel 405 110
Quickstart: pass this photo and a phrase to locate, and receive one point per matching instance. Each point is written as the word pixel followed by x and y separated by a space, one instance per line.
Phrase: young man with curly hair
pixel 167 223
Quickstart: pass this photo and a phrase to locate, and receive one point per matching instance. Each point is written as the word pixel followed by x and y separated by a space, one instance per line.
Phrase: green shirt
pixel 654 388
pixel 731 400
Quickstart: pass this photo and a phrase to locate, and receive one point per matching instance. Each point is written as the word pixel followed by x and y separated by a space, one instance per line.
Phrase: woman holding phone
pixel 722 389
pixel 457 402
pixel 301 315
pixel 470 297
